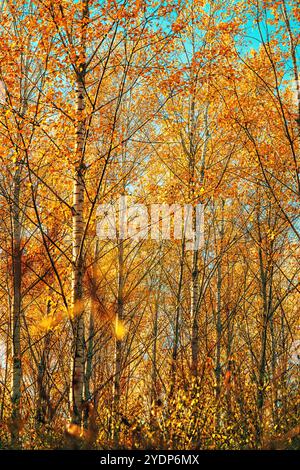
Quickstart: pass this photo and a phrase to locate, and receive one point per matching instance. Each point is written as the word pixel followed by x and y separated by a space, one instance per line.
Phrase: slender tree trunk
pixel 229 362
pixel 154 354
pixel 89 369
pixel 16 314
pixel 154 375
pixel 155 391
pixel 6 373
pixel 118 344
pixel 78 359
pixel 177 324
pixel 261 380
pixel 283 375
pixel 194 313
pixel 90 343
pixel 42 397
pixel 218 346
pixel 219 328
pixel 264 339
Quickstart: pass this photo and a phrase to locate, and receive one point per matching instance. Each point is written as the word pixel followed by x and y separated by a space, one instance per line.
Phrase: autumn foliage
pixel 137 342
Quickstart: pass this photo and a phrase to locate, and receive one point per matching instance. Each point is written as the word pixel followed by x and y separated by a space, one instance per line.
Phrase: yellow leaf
pixel 50 322
pixel 120 329
pixel 46 323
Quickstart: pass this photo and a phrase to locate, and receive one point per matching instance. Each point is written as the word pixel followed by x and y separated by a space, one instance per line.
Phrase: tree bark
pixel 177 324
pixel 16 314
pixel 219 327
pixel 42 396
pixel 118 345
pixel 90 344
pixel 78 359
pixel 194 312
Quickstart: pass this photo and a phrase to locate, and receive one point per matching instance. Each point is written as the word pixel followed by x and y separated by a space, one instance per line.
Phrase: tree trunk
pixel 219 328
pixel 118 344
pixel 42 397
pixel 90 344
pixel 264 340
pixel 78 359
pixel 218 368
pixel 177 325
pixel 16 314
pixel 154 394
pixel 194 313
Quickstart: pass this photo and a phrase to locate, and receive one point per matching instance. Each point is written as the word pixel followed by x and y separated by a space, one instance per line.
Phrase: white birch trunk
pixel 78 359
